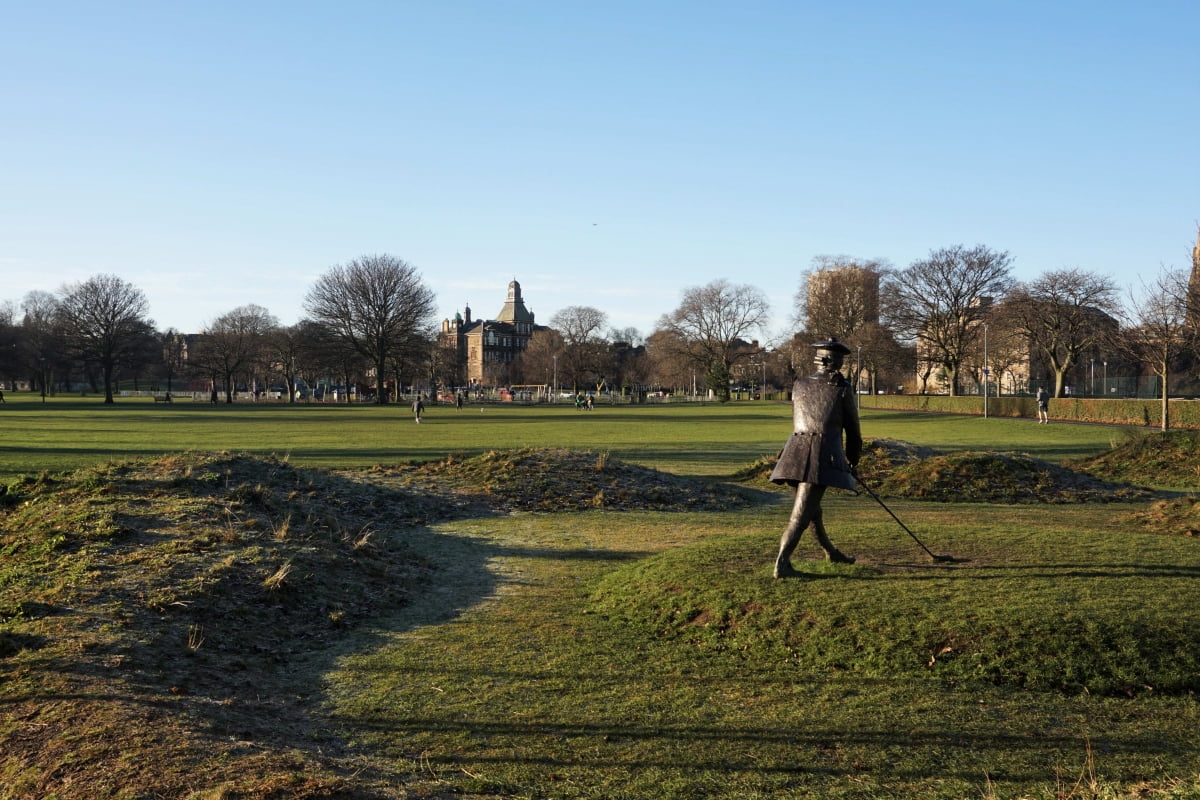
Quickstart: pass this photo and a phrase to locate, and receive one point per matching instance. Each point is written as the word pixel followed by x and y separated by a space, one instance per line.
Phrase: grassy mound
pixel 880 457
pixel 901 469
pixel 1170 459
pixel 552 479
pixel 1010 622
pixel 204 588
pixel 1179 515
pixel 1001 478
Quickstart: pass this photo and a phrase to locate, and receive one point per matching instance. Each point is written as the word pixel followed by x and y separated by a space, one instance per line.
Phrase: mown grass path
pixel 543 690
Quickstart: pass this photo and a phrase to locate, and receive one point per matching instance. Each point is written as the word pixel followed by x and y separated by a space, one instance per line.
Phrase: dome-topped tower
pixel 514 307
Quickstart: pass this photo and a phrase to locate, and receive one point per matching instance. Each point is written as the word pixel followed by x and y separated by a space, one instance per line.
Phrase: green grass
pixel 243 629
pixel 651 656
pixel 689 439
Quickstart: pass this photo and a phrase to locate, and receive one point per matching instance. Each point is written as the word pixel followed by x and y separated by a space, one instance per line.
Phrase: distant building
pixel 485 349
pixel 840 300
pixel 1193 299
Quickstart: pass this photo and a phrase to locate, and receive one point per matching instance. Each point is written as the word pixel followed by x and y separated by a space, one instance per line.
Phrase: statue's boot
pixel 784 569
pixel 831 552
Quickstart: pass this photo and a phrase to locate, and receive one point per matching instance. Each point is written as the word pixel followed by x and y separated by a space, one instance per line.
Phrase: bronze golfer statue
pixel 823 408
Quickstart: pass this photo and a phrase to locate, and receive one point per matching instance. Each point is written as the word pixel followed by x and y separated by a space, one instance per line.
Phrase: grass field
pixel 689 439
pixel 297 639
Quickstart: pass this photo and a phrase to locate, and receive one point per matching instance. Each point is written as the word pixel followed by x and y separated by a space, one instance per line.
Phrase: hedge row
pixel 1183 413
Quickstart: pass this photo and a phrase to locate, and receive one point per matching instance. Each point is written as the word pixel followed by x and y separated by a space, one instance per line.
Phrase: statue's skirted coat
pixel 823 406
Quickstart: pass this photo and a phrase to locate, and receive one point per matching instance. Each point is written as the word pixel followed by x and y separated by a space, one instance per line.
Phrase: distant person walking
pixel 418 409
pixel 1043 401
pixel 458 401
pixel 2 400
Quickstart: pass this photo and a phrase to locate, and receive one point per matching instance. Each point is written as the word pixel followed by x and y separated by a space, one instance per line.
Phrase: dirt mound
pixel 1001 478
pixel 1157 459
pixel 881 457
pixel 533 479
pixel 172 615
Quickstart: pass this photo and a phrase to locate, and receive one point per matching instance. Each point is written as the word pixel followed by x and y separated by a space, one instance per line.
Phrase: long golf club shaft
pixel 871 492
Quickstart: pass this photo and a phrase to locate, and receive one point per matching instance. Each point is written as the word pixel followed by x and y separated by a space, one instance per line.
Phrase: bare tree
pixel 318 355
pixel 539 361
pixel 940 302
pixel 41 343
pixel 710 322
pixel 1007 349
pixel 877 353
pixel 1063 314
pixel 103 319
pixel 234 344
pixel 1158 330
pixel 377 306
pixel 670 362
pixel 9 355
pixel 447 370
pixel 174 346
pixel 630 336
pixel 282 350
pixel 584 352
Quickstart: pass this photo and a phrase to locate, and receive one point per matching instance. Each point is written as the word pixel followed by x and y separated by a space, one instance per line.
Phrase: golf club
pixel 944 559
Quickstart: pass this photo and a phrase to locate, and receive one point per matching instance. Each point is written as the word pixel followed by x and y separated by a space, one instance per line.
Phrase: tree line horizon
pixel 955 318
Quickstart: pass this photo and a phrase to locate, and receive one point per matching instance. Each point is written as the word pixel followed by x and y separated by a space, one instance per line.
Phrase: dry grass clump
pixel 555 479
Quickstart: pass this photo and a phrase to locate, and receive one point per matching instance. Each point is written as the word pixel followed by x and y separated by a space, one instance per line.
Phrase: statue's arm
pixel 853 430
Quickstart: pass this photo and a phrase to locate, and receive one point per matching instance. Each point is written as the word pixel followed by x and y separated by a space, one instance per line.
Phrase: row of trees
pixel 371 317
pixel 373 320
pixel 960 314
pixel 698 345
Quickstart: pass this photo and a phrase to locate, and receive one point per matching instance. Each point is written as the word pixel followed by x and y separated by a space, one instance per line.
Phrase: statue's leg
pixel 818 527
pixel 808 498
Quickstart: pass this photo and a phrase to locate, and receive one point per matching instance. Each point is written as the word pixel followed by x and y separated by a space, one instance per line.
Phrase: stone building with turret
pixel 485 349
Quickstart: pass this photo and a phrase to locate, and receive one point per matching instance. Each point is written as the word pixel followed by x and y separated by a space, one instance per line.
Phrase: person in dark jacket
pixel 1043 405
pixel 823 409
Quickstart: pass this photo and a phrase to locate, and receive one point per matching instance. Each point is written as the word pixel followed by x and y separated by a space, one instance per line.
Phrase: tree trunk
pixel 1166 423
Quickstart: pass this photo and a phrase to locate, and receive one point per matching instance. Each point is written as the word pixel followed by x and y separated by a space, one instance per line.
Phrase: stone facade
pixel 485 349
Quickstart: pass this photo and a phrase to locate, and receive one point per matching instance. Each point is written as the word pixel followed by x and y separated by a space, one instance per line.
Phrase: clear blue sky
pixel 608 154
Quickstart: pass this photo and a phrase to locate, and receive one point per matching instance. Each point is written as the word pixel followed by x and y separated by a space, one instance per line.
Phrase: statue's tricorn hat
pixel 832 345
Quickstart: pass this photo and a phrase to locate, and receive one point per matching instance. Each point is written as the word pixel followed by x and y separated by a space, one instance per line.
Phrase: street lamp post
pixel 555 384
pixel 985 370
pixel 1105 386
